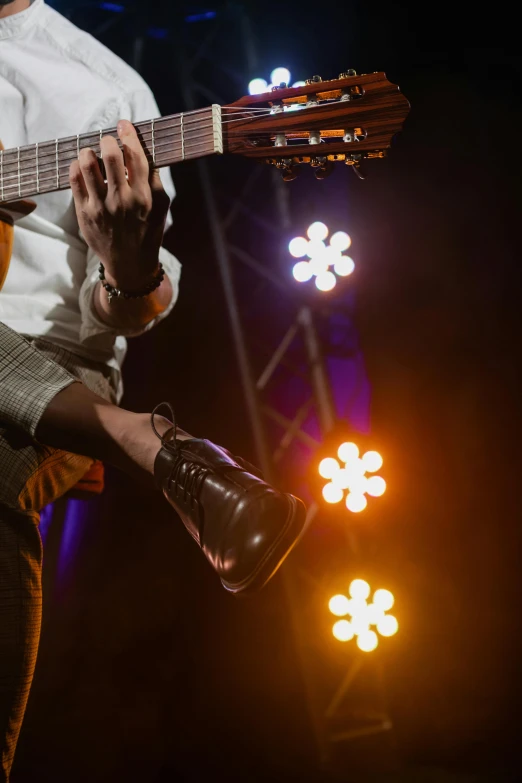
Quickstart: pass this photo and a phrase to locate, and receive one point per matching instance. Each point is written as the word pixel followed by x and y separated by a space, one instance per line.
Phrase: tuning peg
pixel 322 167
pixel 348 73
pixel 287 169
pixel 314 80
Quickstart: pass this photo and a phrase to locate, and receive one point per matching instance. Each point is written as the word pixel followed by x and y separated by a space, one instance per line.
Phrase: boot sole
pixel 274 558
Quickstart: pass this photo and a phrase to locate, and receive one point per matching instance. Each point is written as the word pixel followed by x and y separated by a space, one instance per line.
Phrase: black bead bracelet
pixel 145 291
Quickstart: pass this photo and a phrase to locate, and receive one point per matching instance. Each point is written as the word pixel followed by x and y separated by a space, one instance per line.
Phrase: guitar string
pixel 65 159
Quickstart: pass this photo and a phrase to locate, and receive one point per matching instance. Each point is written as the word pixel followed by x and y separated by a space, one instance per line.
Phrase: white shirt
pixel 56 81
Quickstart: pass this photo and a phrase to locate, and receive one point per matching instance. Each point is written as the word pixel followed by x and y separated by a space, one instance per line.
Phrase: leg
pixel 20 617
pixel 32 476
pixel 245 527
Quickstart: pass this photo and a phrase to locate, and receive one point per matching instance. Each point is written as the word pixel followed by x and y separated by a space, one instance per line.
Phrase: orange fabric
pixel 93 481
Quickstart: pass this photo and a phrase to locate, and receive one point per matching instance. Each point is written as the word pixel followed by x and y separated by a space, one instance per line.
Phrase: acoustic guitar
pixel 345 120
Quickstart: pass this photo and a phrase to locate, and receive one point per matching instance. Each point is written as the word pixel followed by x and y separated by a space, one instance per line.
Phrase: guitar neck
pixel 28 171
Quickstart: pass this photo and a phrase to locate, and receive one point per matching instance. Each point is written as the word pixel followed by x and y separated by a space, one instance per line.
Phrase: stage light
pixel 257 86
pixel 317 231
pixel 343 631
pixel 339 605
pixel 280 76
pixel 363 615
pixel 352 477
pixel 327 262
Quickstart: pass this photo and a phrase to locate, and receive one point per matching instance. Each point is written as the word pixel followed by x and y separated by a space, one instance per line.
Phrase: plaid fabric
pixel 32 475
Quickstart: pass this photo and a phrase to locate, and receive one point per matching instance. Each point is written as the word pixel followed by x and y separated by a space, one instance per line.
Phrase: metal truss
pixel 269 360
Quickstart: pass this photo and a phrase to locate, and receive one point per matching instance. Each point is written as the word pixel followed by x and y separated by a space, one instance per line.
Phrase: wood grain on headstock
pixel 376 106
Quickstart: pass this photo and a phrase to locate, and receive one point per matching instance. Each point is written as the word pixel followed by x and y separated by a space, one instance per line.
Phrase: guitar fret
pixel 41 168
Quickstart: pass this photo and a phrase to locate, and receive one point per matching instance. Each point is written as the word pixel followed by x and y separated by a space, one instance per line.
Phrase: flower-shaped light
pixel 363 615
pixel 325 262
pixel 352 477
pixel 277 77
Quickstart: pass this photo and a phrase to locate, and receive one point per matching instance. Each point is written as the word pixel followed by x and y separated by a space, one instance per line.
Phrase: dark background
pixel 148 671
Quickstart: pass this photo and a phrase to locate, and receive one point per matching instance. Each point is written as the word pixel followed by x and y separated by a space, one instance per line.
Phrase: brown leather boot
pixel 245 527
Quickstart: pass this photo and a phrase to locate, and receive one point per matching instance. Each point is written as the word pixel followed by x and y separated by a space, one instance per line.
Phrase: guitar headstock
pixel 347 120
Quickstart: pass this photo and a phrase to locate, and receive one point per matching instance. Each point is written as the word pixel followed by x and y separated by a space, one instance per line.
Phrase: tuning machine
pixel 322 167
pixel 348 73
pixel 287 168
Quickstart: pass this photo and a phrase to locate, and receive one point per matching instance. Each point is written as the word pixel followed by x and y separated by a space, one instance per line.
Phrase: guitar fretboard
pixel 44 167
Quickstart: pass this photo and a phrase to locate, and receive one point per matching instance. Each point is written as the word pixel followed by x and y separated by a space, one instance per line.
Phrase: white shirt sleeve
pixel 137 107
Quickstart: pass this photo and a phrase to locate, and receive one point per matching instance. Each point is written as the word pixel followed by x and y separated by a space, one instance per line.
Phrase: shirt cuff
pixel 95 332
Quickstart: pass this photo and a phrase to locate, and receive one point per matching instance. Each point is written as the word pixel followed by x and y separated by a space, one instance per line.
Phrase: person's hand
pixel 122 219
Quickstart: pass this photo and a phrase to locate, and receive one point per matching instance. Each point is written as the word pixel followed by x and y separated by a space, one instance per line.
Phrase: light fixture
pixel 348 473
pixel 324 262
pixel 367 621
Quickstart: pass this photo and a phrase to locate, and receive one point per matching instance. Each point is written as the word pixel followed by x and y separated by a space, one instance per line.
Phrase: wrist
pixel 131 288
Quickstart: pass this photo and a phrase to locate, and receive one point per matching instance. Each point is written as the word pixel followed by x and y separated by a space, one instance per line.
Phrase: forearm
pixel 131 313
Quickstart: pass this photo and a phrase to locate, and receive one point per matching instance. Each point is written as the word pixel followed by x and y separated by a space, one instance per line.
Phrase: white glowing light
pixel 388 625
pixel 339 605
pixel 280 75
pixel 332 493
pixel 375 486
pixel 302 271
pixel 372 461
pixel 363 615
pixel 317 231
pixel 331 255
pixel 299 84
pixel 383 599
pixel 325 281
pixel 344 266
pixel 298 247
pixel 340 241
pixel 360 589
pixel 318 264
pixel 257 86
pixel 315 248
pixel 328 467
pixel 343 630
pixel 367 641
pixel 347 452
pixel 355 502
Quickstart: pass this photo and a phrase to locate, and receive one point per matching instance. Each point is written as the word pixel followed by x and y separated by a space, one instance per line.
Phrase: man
pixel 88 270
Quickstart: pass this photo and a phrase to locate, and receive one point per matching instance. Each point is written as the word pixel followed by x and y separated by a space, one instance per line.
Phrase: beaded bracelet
pixel 117 292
